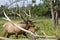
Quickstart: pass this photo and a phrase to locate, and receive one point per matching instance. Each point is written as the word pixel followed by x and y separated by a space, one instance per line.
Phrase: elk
pixel 11 29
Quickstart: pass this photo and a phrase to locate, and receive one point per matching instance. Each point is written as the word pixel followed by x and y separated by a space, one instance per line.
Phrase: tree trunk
pixel 52 13
pixel 56 15
pixel 56 21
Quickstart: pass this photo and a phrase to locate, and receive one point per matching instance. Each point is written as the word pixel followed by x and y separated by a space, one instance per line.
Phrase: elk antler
pixel 18 15
pixel 21 17
pixel 7 18
pixel 29 15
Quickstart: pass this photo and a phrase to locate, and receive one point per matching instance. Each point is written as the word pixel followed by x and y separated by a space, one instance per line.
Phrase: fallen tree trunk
pixel 40 38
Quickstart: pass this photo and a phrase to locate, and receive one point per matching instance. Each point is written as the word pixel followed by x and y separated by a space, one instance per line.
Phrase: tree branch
pixel 26 13
pixel 29 13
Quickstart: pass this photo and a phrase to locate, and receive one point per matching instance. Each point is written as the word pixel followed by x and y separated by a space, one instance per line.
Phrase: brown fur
pixel 32 29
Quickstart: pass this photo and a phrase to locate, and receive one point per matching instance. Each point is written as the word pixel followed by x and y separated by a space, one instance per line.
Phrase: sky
pixel 20 3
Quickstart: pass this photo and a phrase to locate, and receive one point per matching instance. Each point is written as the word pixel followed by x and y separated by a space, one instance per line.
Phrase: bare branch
pixel 29 13
pixel 17 14
pixel 6 16
pixel 25 12
pixel 43 32
pixel 35 35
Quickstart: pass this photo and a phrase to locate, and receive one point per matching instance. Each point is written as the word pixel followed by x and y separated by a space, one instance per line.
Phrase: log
pixel 41 38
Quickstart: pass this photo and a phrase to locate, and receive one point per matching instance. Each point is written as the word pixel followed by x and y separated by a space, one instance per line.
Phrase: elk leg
pixel 8 35
pixel 4 33
pixel 25 35
pixel 16 35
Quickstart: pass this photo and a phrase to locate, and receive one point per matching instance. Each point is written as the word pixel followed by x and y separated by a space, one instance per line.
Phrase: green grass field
pixel 45 23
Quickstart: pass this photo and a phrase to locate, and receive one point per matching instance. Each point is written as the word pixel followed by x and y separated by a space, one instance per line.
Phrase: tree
pixel 56 14
pixel 54 11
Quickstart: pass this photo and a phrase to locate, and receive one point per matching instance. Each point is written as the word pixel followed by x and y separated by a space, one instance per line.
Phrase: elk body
pixel 11 29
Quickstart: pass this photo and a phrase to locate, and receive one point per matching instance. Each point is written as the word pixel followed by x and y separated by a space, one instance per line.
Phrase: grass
pixel 45 23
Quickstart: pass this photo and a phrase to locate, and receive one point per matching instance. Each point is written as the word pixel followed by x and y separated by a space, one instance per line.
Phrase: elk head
pixel 27 20
pixel 30 23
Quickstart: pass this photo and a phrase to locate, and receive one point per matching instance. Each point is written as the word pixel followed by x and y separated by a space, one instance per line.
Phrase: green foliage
pixel 45 23
pixel 40 9
pixel 33 1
